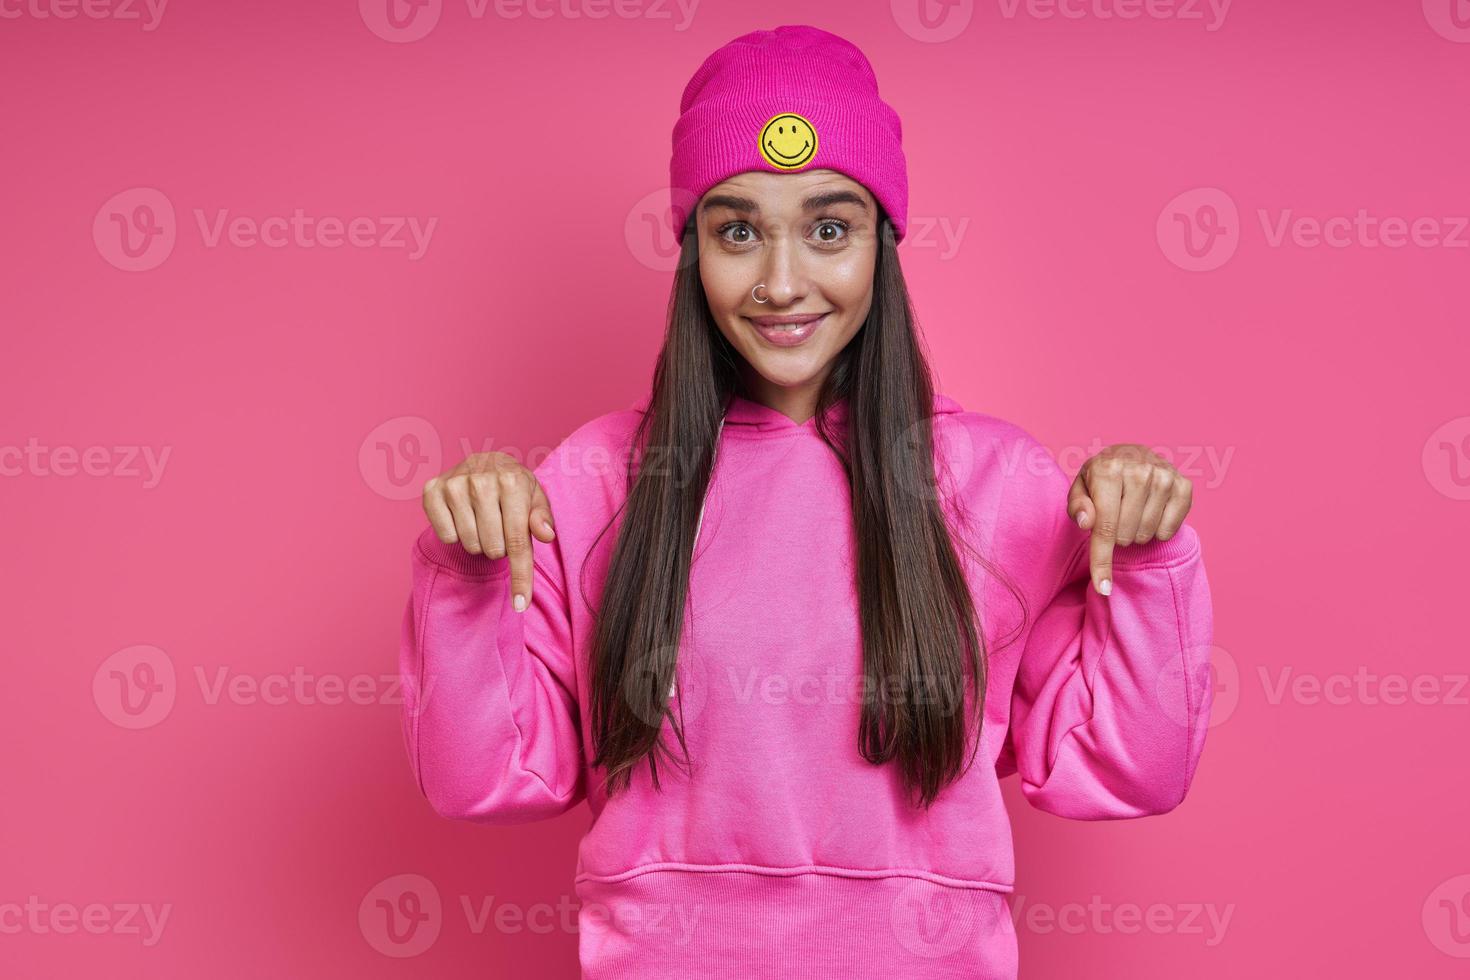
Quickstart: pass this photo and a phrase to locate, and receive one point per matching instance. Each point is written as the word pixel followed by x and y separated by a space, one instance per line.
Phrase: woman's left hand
pixel 1126 494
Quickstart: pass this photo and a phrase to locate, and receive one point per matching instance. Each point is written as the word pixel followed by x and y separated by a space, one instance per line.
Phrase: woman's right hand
pixel 491 504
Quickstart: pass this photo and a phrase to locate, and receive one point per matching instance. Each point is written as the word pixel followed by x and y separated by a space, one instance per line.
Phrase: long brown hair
pixel 919 626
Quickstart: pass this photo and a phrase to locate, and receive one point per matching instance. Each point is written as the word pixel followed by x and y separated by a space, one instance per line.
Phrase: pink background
pixel 1315 394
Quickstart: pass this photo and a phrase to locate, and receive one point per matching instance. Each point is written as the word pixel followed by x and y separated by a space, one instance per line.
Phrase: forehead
pixel 781 191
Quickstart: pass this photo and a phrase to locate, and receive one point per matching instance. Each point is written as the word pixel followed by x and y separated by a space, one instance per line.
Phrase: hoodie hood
pixel 754 416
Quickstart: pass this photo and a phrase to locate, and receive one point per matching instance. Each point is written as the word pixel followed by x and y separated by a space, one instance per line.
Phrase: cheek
pixel 722 285
pixel 850 281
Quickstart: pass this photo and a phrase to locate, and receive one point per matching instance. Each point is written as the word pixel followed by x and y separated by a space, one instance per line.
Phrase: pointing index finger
pixel 515 511
pixel 1107 498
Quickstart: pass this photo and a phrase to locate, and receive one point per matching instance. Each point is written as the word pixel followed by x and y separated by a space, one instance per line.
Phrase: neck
pixel 796 402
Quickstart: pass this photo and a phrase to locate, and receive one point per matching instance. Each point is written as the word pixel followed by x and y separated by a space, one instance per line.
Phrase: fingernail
pixel 1105 586
pixel 1082 520
pixel 551 530
pixel 520 602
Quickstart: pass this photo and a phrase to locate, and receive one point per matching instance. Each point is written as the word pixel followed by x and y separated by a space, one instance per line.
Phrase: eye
pixel 839 229
pixel 739 227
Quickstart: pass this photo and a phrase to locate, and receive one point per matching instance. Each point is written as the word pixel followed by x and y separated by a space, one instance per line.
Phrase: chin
pixel 785 375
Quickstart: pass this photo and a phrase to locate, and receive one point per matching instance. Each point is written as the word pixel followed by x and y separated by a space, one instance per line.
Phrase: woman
pixel 785 623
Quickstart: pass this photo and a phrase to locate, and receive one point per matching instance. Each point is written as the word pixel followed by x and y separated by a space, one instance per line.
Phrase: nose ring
pixel 757 298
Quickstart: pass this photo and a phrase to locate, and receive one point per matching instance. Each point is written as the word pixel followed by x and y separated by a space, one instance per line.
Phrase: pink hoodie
pixel 786 854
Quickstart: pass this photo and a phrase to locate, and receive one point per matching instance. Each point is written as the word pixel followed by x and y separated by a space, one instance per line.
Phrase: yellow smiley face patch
pixel 788 141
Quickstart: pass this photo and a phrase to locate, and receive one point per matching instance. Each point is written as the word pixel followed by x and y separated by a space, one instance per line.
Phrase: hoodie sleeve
pixel 1112 693
pixel 490 716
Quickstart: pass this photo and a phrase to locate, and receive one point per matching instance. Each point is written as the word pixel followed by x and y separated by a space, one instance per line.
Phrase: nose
pixel 784 272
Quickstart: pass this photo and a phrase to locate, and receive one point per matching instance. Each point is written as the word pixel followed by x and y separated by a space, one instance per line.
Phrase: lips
pixel 787 320
pixel 789 330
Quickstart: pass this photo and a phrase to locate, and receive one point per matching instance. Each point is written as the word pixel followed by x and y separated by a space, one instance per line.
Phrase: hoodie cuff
pixel 454 558
pixel 1177 549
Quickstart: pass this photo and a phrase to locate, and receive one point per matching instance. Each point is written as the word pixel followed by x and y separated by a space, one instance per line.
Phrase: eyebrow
pixel 817 202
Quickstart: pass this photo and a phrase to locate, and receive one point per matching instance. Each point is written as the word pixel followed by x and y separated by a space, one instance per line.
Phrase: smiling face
pixel 812 239
pixel 788 141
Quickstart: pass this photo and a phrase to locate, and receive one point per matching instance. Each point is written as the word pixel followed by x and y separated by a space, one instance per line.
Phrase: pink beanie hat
pixel 784 101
